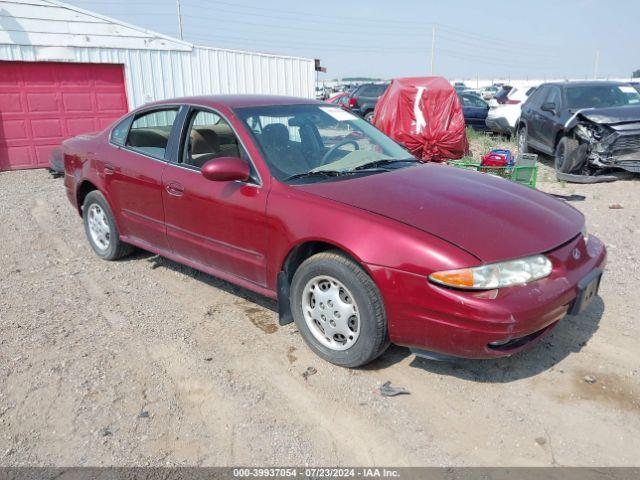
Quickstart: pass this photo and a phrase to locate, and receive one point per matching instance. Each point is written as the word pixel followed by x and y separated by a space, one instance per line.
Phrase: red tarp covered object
pixel 424 115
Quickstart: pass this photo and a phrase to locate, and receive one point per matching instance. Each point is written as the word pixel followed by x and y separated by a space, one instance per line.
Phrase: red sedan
pixel 361 244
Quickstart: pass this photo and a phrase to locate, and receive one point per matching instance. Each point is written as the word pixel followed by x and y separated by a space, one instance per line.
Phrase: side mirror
pixel 549 107
pixel 226 169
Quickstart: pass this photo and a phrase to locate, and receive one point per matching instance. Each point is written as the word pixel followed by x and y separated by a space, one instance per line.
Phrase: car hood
pixel 612 115
pixel 492 218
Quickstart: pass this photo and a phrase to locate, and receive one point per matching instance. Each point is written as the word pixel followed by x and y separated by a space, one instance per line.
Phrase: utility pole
pixel 433 46
pixel 179 19
pixel 595 67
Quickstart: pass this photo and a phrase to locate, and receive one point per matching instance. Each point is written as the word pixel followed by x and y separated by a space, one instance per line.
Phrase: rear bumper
pixel 427 317
pixel 70 187
pixel 499 125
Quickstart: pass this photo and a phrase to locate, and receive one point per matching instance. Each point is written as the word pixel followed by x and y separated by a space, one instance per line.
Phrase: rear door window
pixel 535 99
pixel 553 97
pixel 150 131
pixel 372 90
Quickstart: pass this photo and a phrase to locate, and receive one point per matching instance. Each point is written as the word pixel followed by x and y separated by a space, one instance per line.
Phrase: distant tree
pixel 636 74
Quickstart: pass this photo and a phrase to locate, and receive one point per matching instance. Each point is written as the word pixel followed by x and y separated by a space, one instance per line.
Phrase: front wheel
pixel 566 156
pixel 369 117
pixel 101 229
pixel 338 310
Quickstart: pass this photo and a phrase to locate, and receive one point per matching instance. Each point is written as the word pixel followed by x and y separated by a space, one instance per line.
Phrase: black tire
pixel 373 338
pixel 116 248
pixel 369 117
pixel 565 153
pixel 523 138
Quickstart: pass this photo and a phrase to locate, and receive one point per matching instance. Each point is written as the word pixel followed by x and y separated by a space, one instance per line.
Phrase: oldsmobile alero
pixel 360 243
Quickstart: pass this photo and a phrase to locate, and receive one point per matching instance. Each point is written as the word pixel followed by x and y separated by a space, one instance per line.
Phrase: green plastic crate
pixel 524 172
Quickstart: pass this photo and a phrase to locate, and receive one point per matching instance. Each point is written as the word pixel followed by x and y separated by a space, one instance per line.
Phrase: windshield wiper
pixel 317 173
pixel 384 162
pixel 334 173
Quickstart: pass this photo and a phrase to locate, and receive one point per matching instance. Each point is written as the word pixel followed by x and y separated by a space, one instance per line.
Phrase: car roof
pixel 585 83
pixel 237 101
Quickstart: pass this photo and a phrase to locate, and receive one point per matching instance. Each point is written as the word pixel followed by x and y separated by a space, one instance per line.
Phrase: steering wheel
pixel 325 158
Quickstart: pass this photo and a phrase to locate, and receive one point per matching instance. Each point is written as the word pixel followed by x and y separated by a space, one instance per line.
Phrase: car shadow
pixel 157 261
pixel 569 336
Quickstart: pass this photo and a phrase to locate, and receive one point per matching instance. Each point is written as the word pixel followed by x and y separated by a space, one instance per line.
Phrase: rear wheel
pixel 338 310
pixel 100 228
pixel 523 138
pixel 369 117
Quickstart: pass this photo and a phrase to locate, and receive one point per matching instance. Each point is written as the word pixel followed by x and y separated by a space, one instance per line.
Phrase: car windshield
pixel 602 96
pixel 309 140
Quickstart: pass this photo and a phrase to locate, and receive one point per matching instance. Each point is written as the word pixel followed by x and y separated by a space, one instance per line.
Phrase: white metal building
pixel 65 71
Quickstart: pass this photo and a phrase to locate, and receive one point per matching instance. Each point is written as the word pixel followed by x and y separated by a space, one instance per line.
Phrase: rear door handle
pixel 109 169
pixel 175 189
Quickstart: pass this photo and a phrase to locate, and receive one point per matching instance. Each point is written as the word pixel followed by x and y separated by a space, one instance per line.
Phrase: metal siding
pixel 159 74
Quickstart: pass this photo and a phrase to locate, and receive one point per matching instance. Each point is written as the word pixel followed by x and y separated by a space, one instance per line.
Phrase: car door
pixel 531 114
pixel 133 175
pixel 218 224
pixel 547 125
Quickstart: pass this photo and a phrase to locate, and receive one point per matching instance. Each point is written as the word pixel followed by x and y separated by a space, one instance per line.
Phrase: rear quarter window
pixel 120 131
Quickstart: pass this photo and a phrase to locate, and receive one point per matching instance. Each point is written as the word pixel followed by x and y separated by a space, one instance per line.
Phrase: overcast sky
pixel 392 38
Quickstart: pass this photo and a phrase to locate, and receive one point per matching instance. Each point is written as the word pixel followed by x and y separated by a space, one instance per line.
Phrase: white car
pixel 487 93
pixel 504 108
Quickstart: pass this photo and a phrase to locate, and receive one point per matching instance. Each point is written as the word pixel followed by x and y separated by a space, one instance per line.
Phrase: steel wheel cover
pixel 99 228
pixel 331 313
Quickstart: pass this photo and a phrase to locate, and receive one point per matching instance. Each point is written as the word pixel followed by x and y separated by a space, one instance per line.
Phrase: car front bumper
pixel 427 317
pixel 620 150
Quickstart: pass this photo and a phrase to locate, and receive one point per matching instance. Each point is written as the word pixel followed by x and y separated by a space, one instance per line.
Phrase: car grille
pixel 627 143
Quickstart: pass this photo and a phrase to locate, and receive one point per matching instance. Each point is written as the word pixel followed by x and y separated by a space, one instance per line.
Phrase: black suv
pixel 586 126
pixel 364 98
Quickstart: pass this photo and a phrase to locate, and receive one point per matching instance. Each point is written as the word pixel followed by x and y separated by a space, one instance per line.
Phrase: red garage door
pixel 42 103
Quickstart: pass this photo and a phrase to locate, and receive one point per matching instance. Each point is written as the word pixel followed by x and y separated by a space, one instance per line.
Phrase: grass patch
pixel 481 143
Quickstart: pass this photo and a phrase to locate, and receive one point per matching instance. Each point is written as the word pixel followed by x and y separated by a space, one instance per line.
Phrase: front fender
pixel 297 217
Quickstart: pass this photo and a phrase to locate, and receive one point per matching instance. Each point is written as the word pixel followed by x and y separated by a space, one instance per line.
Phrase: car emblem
pixel 576 254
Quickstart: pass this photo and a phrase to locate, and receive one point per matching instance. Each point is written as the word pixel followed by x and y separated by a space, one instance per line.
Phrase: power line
pixel 387 28
pixel 451 36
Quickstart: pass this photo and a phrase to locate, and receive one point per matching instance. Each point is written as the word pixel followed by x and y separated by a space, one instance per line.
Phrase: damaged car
pixel 590 128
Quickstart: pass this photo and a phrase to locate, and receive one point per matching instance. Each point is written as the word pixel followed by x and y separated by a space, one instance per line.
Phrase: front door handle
pixel 175 189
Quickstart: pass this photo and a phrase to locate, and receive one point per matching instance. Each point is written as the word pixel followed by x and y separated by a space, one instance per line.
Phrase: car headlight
pixel 495 275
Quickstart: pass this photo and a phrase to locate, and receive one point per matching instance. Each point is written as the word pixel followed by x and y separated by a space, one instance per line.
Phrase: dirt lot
pixel 146 362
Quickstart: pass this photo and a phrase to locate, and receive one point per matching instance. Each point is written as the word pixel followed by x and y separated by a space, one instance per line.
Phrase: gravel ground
pixel 146 362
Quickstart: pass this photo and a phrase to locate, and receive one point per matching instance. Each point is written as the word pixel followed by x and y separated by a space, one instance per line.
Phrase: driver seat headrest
pixel 276 135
